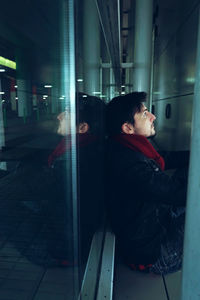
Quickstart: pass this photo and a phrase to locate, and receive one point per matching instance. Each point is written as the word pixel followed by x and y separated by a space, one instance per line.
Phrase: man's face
pixel 64 127
pixel 144 122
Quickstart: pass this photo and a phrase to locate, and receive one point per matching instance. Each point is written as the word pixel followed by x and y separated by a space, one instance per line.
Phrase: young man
pixel 145 204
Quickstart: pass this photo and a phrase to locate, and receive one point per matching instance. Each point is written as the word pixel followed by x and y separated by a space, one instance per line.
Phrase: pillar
pixel 13 95
pixel 91 48
pixel 143 45
pixel 191 261
pixel 2 133
pixel 24 91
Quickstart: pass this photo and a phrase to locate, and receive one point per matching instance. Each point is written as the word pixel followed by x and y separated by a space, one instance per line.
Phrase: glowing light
pixel 16 86
pixel 190 79
pixel 122 93
pixel 2 93
pixel 2 70
pixel 80 80
pixel 97 93
pixel 84 96
pixel 16 98
pixel 48 86
pixel 123 86
pixel 7 63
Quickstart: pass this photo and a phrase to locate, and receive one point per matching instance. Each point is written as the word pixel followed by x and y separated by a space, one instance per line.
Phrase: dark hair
pixel 91 110
pixel 122 109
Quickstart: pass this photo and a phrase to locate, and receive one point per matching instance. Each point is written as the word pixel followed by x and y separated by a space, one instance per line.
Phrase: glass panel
pixel 38 208
pixel 53 90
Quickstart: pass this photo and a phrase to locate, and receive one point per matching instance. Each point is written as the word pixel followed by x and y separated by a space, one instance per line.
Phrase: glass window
pixel 53 91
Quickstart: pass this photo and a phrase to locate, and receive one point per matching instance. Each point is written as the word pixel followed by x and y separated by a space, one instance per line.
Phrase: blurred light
pixel 61 98
pixel 16 86
pixel 156 93
pixel 45 96
pixel 190 80
pixel 2 70
pixel 123 86
pixel 84 96
pixel 7 63
pixel 2 93
pixel 16 98
pixel 80 80
pixel 3 101
pixel 123 93
pixel 48 86
pixel 103 96
pixel 97 93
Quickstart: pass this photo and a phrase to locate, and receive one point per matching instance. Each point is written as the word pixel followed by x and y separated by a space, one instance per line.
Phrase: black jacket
pixel 140 199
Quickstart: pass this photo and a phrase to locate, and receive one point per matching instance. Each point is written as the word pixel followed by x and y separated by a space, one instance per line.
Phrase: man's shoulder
pixel 121 152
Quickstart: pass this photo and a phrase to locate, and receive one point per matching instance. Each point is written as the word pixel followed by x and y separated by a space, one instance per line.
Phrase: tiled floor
pixel 132 285
pixel 23 257
pixel 20 279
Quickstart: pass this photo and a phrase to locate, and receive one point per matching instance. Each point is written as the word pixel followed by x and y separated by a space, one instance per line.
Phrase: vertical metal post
pixel 69 88
pixel 143 45
pixel 2 133
pixel 150 101
pixel 91 48
pixel 22 98
pixel 191 261
pixel 112 84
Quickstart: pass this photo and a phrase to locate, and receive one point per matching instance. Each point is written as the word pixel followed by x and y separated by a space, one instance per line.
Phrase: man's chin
pixel 152 135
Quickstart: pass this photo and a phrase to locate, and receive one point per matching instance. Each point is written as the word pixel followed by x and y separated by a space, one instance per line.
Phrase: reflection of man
pixel 144 202
pixel 89 126
pixel 64 127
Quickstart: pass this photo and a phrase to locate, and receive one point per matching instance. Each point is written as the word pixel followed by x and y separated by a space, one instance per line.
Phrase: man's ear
pixel 83 127
pixel 128 128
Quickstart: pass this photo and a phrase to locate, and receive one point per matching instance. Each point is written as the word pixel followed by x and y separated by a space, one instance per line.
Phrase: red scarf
pixel 83 140
pixel 140 143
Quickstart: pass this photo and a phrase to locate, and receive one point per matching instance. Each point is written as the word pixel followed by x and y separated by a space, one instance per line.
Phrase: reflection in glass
pixel 51 141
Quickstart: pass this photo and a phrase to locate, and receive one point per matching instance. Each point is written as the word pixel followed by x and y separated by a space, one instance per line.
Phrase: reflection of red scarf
pixel 83 140
pixel 140 143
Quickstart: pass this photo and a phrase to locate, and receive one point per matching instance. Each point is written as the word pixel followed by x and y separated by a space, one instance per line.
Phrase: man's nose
pixel 152 116
pixel 60 116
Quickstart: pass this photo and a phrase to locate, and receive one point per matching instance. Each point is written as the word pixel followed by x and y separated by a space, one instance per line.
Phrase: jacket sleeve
pixel 157 186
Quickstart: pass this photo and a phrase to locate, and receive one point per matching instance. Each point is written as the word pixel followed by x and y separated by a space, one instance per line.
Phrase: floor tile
pixel 129 285
pixel 173 283
pixel 50 296
pixel 26 275
pixel 14 295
